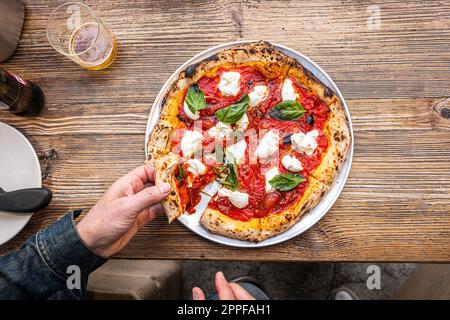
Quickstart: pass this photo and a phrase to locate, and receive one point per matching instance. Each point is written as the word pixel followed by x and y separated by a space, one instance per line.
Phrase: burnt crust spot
pixel 214 57
pixel 327 92
pixel 268 50
pixel 172 89
pixel 338 136
pixel 309 74
pixel 190 70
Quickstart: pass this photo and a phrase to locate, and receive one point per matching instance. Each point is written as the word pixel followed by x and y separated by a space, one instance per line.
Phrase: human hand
pixel 225 290
pixel 129 204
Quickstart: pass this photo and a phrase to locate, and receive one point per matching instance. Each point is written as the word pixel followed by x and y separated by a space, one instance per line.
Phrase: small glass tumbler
pixel 75 31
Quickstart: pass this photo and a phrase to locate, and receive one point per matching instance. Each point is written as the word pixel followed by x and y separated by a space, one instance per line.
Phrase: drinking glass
pixel 74 30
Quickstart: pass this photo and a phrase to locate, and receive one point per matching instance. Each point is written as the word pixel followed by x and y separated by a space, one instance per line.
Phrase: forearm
pixel 48 263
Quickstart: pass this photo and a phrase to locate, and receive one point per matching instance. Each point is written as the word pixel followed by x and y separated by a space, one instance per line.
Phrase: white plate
pixel 192 221
pixel 19 169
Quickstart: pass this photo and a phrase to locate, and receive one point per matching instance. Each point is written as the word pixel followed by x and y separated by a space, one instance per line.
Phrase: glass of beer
pixel 75 31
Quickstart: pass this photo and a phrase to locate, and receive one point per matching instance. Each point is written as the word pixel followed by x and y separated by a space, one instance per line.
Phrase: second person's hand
pixel 225 290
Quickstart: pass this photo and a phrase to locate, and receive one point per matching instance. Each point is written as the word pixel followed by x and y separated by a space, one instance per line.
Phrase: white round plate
pixel 192 221
pixel 19 169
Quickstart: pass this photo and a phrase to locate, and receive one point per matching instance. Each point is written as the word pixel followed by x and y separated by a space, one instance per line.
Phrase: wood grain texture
pixel 395 205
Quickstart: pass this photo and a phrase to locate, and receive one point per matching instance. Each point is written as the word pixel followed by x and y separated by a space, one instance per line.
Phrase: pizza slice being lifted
pixel 258 122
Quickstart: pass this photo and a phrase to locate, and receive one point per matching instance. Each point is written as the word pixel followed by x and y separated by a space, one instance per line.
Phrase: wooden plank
pixel 387 197
pixel 65 118
pixel 395 79
pixel 407 57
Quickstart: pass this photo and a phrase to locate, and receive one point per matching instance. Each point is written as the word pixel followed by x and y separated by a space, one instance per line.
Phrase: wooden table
pixel 396 80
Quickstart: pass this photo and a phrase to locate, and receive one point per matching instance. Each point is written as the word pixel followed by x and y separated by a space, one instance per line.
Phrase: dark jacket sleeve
pixel 54 263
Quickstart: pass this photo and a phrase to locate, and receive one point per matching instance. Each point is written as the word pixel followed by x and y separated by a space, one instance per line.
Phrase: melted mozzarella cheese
pixel 270 174
pixel 291 163
pixel 242 123
pixel 306 143
pixel 237 199
pixel 196 167
pixel 268 145
pixel 288 91
pixel 258 94
pixel 236 151
pixel 190 143
pixel 220 131
pixel 229 83
pixel 188 112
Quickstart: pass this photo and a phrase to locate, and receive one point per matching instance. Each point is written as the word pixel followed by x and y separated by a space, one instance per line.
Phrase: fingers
pixel 197 294
pixel 240 293
pixel 132 182
pixel 149 184
pixel 147 197
pixel 142 175
pixel 145 172
pixel 145 216
pixel 224 291
pixel 142 219
pixel 154 211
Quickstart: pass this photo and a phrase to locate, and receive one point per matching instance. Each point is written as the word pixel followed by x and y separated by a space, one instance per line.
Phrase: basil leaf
pixel 287 110
pixel 287 181
pixel 181 174
pixel 181 171
pixel 234 112
pixel 195 99
pixel 232 181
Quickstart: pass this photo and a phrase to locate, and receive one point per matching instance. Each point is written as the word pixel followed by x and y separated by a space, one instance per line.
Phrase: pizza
pixel 263 127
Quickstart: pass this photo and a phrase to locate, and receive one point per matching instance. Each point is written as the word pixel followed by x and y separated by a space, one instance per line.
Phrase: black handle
pixel 25 200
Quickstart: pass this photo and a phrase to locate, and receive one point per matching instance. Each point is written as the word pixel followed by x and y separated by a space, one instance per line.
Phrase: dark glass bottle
pixel 21 97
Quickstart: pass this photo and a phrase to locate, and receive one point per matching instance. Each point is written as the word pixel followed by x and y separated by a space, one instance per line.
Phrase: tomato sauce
pixel 251 173
pixel 215 99
pixel 189 187
pixel 261 203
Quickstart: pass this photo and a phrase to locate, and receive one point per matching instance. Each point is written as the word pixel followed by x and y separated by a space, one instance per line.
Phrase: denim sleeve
pixel 53 263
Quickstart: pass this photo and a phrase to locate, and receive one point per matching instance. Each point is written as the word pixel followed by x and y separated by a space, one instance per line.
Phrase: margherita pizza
pixel 259 123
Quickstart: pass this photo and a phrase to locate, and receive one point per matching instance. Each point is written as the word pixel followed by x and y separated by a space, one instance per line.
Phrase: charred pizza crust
pixel 219 223
pixel 165 164
pixel 339 139
pixel 336 127
pixel 274 224
pixel 259 229
pixel 272 63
